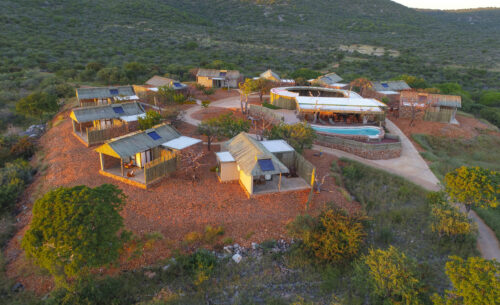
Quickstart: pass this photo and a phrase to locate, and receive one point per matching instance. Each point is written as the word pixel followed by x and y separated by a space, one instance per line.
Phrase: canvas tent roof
pixel 222 74
pixel 160 81
pixel 270 74
pixel 247 152
pixel 398 85
pixel 329 79
pixel 104 92
pixel 130 144
pixel 113 111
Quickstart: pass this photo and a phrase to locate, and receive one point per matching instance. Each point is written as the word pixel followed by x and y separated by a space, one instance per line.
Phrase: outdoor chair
pixel 131 173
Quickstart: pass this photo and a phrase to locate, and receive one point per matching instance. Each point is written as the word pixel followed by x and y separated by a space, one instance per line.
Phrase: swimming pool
pixel 369 131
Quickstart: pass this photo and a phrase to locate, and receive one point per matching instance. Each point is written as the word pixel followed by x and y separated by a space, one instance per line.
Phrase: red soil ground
pixel 219 94
pixel 212 112
pixel 173 207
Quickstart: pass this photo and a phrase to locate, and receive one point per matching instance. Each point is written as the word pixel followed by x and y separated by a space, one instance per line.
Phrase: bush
pixel 13 177
pixel 199 265
pixel 151 119
pixel 334 236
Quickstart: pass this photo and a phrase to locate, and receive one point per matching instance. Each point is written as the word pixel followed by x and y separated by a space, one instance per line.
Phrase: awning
pixel 225 156
pixel 126 98
pixel 277 146
pixel 181 143
pixel 132 118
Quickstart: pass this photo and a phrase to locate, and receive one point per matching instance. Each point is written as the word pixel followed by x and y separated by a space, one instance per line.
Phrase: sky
pixel 449 4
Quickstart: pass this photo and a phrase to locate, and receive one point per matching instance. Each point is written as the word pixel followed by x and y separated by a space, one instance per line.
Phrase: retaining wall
pixel 367 150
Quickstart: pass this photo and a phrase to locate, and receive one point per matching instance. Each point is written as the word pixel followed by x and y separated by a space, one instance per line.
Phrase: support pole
pixel 279 184
pixel 121 165
pixel 101 159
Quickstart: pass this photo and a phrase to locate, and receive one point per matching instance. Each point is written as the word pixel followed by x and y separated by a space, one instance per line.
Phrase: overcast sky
pixel 449 4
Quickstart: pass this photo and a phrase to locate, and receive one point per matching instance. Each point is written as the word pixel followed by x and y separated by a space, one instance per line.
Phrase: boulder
pixel 237 258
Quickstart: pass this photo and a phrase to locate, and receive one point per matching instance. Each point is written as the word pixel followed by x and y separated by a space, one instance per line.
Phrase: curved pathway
pixel 413 167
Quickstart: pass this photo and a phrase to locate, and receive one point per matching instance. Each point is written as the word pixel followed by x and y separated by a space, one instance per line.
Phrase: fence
pixel 97 136
pixel 440 114
pixel 160 167
pixel 266 114
pixel 283 102
pixel 304 168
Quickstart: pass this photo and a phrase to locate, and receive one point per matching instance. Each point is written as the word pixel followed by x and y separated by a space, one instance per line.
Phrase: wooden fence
pixel 160 167
pixel 97 136
pixel 305 169
pixel 266 114
pixel 437 114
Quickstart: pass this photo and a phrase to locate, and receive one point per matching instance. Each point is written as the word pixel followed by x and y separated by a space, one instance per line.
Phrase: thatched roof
pixel 133 143
pixel 113 111
pixel 269 74
pixel 104 92
pixel 424 98
pixel 247 151
pixel 214 73
pixel 398 85
pixel 328 79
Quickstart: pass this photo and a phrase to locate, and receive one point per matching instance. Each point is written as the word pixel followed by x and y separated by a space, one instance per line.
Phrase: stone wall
pixel 372 151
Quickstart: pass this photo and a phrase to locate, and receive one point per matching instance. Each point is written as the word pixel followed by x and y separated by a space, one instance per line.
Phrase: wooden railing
pixel 305 169
pixel 97 136
pixel 160 167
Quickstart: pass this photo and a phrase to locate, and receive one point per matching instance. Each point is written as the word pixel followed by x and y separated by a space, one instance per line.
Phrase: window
pixel 266 164
pixel 154 135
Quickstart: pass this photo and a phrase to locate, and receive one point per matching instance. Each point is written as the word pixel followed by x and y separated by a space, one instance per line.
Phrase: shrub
pixel 199 265
pixel 392 276
pixel 449 221
pixel 205 103
pixel 334 236
pixel 475 282
pixel 151 119
pixel 300 135
pixel 75 229
pixel 13 178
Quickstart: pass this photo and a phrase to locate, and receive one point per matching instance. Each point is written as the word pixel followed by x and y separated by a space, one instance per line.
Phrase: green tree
pixel 334 236
pixel 299 135
pixel 225 125
pixel 76 229
pixel 392 276
pixel 37 104
pixel 133 70
pixel 13 178
pixel 210 129
pixel 413 81
pixel 473 186
pixel 305 73
pixel 476 281
pixel 151 119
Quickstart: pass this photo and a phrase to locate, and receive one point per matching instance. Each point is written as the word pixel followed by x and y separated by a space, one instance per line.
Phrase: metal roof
pixel 160 81
pixel 113 111
pixel 398 85
pixel 133 143
pixel 104 92
pixel 329 79
pixel 212 73
pixel 247 151
pixel 277 146
pixel 225 156
pixel 181 142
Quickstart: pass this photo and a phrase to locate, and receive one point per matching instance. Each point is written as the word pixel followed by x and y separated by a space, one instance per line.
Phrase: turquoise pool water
pixel 359 131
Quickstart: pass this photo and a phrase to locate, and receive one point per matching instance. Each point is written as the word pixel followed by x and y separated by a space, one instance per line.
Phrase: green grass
pixel 447 154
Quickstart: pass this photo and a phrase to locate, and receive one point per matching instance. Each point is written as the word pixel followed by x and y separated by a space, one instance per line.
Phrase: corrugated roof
pixel 159 81
pixel 328 79
pixel 224 156
pixel 89 114
pixel 424 98
pixel 104 92
pixel 277 146
pixel 270 74
pixel 247 151
pixel 130 144
pixel 398 85
pixel 225 74
pixel 181 142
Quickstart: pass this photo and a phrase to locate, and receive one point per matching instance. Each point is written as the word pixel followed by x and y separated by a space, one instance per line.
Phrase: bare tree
pixel 191 162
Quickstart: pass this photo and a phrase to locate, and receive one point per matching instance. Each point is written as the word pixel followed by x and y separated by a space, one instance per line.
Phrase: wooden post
pixel 74 127
pixel 121 165
pixel 279 184
pixel 101 159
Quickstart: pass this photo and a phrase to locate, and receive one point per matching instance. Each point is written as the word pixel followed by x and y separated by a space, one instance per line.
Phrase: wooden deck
pixel 115 173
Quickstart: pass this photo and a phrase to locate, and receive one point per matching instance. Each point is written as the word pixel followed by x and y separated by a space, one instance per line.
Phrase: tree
pixel 392 276
pixel 246 88
pixel 413 81
pixel 151 119
pixel 262 86
pixel 361 84
pixel 134 70
pixel 476 281
pixel 37 104
pixel 76 229
pixel 224 125
pixel 299 135
pixel 473 186
pixel 447 220
pixel 334 236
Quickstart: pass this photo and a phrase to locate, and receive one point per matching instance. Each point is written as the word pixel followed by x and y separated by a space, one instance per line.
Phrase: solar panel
pixel 177 85
pixel 385 85
pixel 118 110
pixel 155 136
pixel 266 164
pixel 223 73
pixel 113 91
